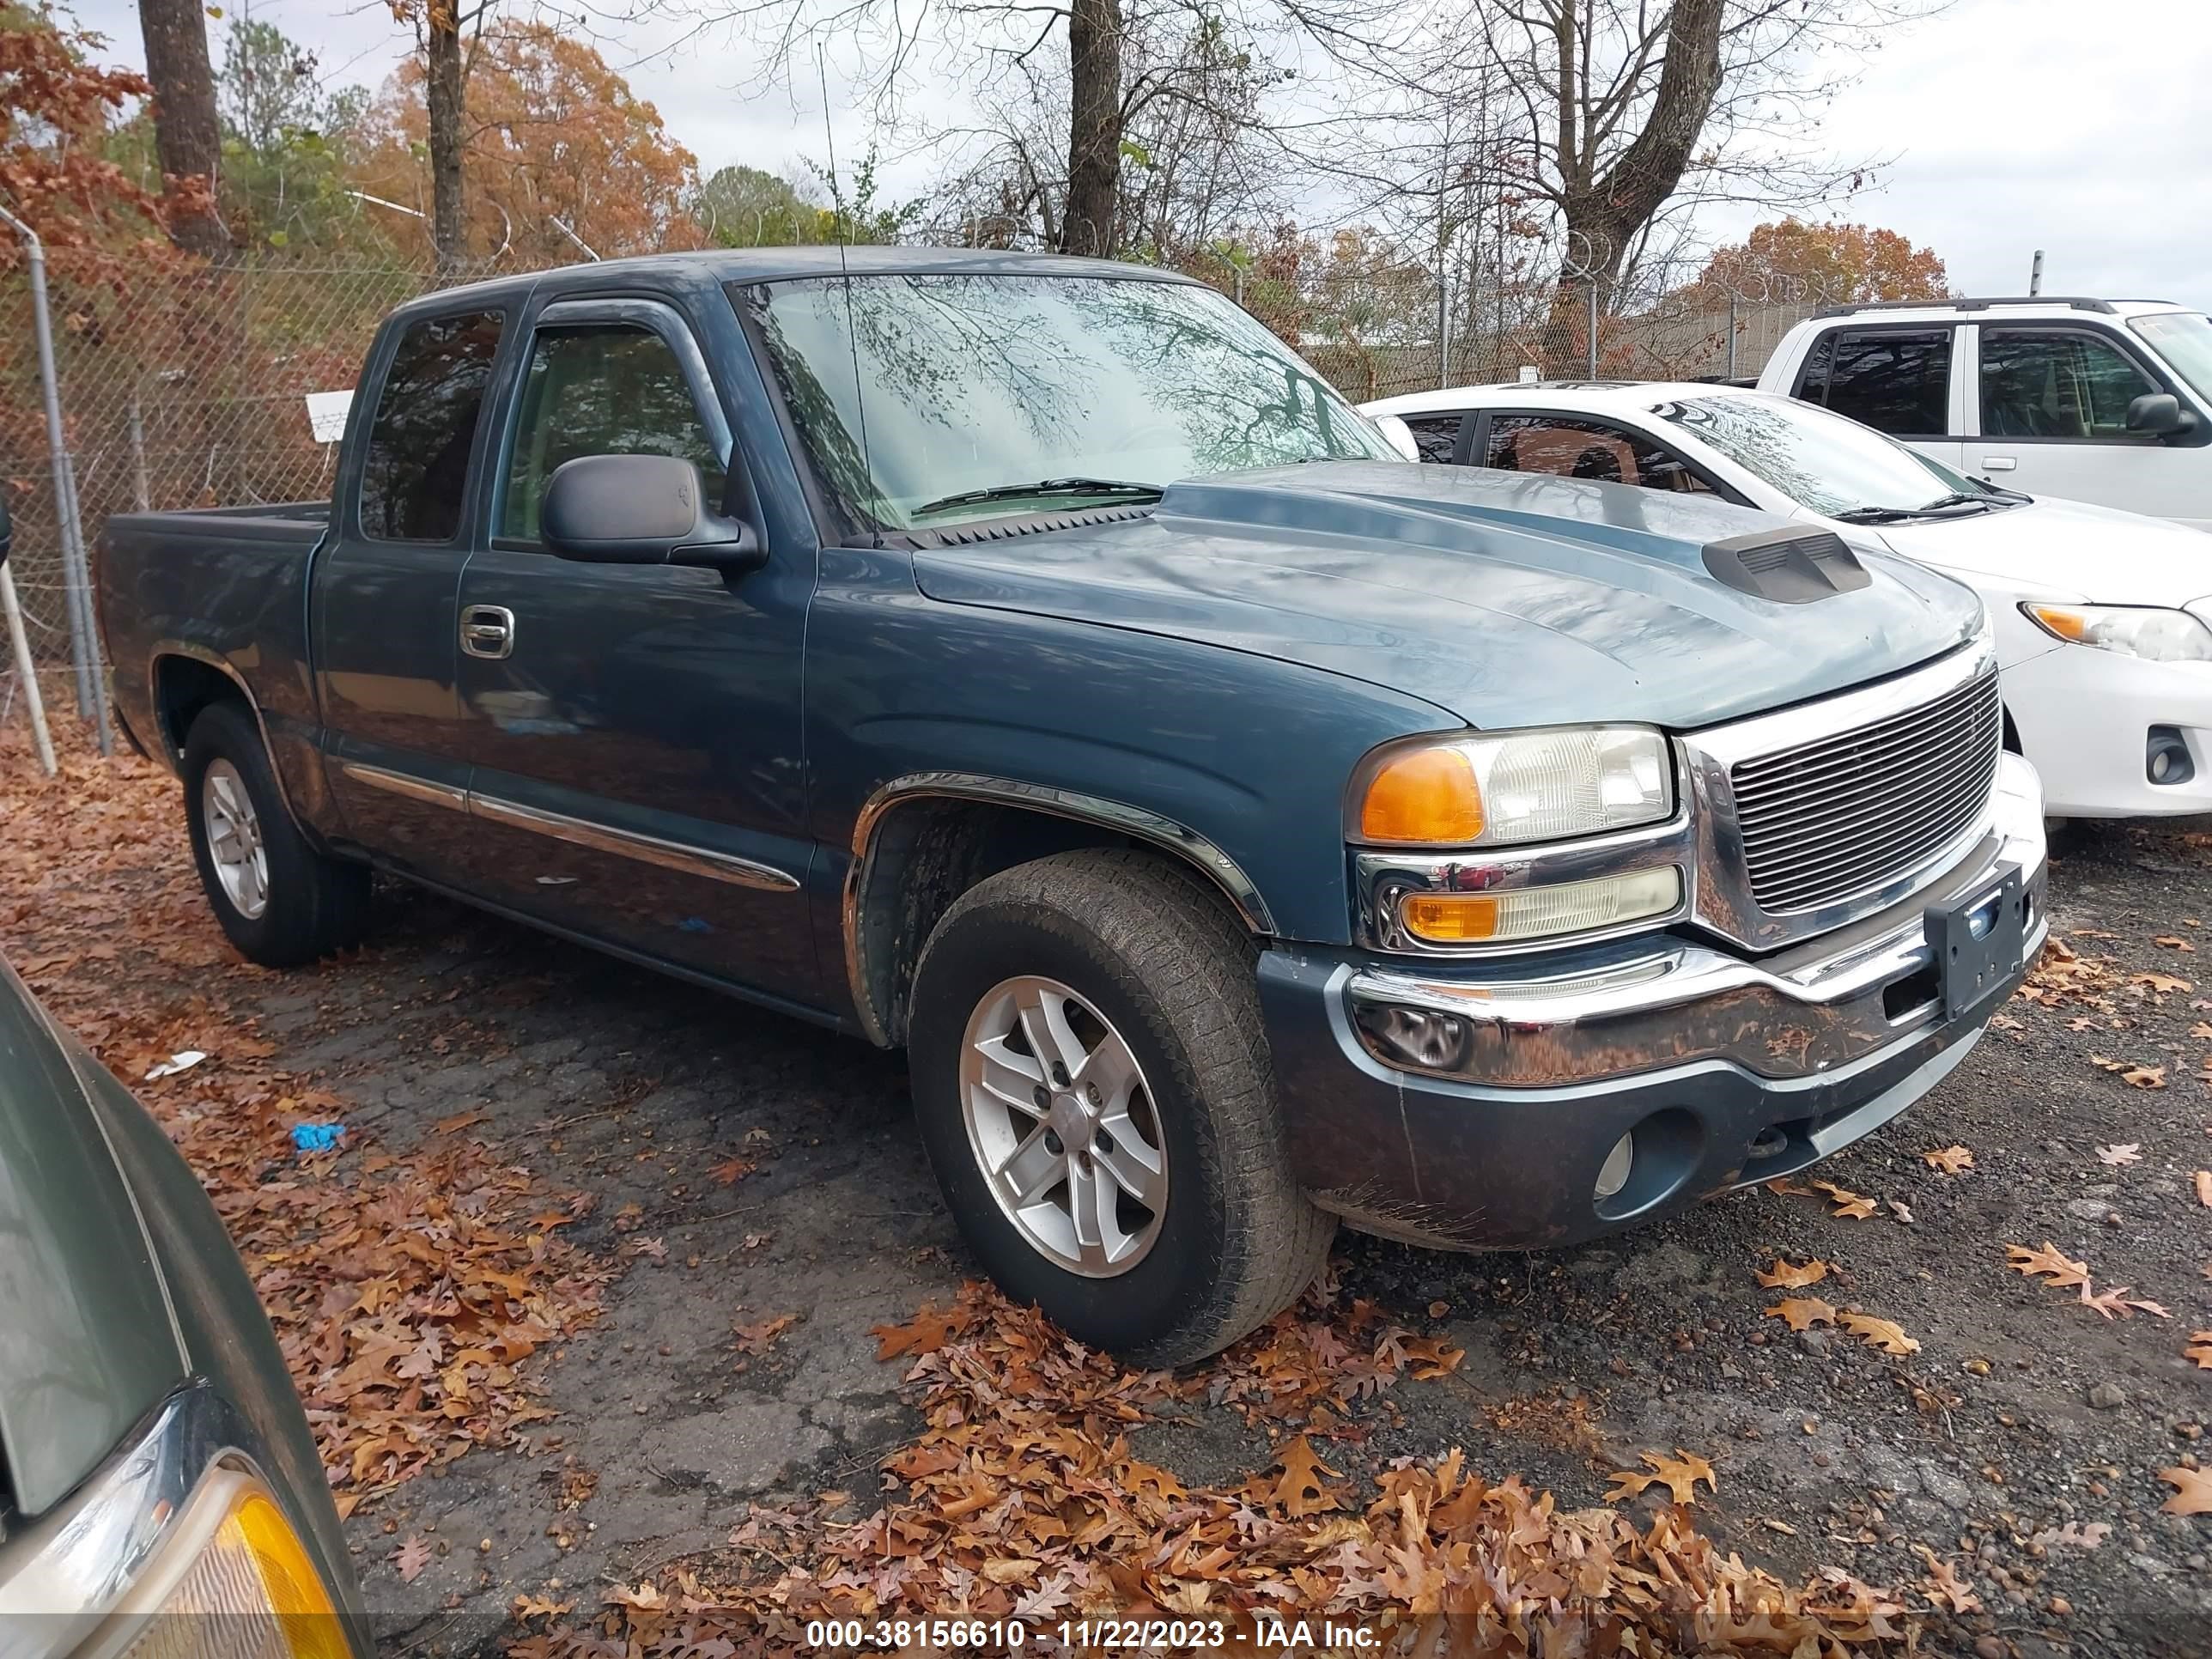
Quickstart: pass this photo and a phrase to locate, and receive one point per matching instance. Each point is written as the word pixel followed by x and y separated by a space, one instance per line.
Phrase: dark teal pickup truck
pixel 1033 663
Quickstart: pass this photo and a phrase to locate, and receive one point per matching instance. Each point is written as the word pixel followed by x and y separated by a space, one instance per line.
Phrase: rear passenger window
pixel 1895 380
pixel 1437 436
pixel 1585 449
pixel 2056 383
pixel 417 465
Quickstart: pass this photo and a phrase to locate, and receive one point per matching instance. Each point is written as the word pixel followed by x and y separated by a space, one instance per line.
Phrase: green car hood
pixel 87 1343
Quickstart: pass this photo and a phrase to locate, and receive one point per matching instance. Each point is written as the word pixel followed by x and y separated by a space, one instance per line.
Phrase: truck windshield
pixel 984 394
pixel 2184 338
pixel 1834 465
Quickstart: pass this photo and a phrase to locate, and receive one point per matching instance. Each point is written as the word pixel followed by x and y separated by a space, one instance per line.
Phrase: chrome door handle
pixel 487 630
pixel 1998 463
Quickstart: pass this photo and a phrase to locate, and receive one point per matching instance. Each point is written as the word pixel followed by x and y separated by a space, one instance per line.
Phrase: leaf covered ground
pixel 629 1321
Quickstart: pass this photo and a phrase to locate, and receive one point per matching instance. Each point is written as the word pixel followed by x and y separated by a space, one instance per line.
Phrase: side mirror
pixel 7 534
pixel 2161 415
pixel 642 509
pixel 1400 435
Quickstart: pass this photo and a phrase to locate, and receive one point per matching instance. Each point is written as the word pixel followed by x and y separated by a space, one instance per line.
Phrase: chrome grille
pixel 1846 814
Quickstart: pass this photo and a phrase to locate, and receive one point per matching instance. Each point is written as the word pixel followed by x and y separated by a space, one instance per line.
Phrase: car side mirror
pixel 1400 435
pixel 7 533
pixel 2160 414
pixel 642 509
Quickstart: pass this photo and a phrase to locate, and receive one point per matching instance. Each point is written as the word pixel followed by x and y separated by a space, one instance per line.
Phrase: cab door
pixel 2052 418
pixel 635 731
pixel 1908 379
pixel 385 592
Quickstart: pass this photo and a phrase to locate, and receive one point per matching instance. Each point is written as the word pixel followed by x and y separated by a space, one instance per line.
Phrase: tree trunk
pixel 187 142
pixel 442 85
pixel 1094 131
pixel 1604 215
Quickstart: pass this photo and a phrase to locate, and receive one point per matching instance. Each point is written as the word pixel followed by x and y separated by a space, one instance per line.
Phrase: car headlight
pixel 1550 784
pixel 2134 630
pixel 233 1578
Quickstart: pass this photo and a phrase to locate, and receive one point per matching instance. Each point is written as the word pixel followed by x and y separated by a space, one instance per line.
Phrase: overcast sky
pixel 2013 124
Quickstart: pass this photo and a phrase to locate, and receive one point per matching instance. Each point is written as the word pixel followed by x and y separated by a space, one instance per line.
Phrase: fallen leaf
pixel 1782 1527
pixel 446 1125
pixel 2203 1184
pixel 1951 1160
pixel 1944 1581
pixel 2047 1263
pixel 926 1333
pixel 2202 1030
pixel 1787 1276
pixel 2144 1077
pixel 1680 1475
pixel 2075 1535
pixel 1849 1205
pixel 2118 1303
pixel 1787 1188
pixel 2160 983
pixel 538 1607
pixel 646 1597
pixel 760 1335
pixel 1303 1490
pixel 2192 1492
pixel 2173 942
pixel 2121 1156
pixel 1882 1334
pixel 1801 1313
pixel 411 1558
pixel 1901 1210
pixel 731 1170
pixel 2200 1350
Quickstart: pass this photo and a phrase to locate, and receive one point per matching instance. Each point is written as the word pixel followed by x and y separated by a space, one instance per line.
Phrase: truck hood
pixel 1503 599
pixel 88 1345
pixel 2060 550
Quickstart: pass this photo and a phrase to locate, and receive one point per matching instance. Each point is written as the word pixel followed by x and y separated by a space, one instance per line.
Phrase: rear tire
pixel 278 900
pixel 1133 973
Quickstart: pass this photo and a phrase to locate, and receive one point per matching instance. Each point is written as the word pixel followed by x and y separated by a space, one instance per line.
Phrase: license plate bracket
pixel 1980 943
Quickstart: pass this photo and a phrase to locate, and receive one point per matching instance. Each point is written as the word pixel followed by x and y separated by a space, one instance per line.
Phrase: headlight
pixel 233 1579
pixel 2134 630
pixel 1545 784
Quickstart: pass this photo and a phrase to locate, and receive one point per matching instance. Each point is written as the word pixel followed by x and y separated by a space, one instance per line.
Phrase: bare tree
pixel 187 139
pixel 1616 120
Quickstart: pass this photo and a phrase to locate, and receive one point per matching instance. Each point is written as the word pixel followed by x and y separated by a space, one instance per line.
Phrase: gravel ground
pixel 2024 1423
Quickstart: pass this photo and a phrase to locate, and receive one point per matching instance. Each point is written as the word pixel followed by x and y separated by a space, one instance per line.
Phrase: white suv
pixel 2107 401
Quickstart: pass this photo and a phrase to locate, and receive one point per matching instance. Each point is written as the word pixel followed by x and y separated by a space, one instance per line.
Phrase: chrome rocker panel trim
pixel 1676 1002
pixel 578 832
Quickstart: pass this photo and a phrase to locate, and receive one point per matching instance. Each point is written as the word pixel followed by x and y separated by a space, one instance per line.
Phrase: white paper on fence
pixel 326 414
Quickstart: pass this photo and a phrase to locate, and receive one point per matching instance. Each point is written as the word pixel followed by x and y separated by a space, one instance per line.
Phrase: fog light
pixel 2166 756
pixel 1619 1162
pixel 1414 1038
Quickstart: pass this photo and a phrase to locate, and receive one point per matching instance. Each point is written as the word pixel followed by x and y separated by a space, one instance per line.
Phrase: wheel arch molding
pixel 922 839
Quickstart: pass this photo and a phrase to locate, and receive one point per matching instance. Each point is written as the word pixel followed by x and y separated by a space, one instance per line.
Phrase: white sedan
pixel 2103 644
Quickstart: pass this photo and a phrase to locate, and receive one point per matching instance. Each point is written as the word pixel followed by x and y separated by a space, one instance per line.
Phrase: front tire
pixel 1094 1090
pixel 279 900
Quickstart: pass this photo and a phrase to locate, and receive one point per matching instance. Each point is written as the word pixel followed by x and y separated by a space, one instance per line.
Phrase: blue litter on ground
pixel 317 1137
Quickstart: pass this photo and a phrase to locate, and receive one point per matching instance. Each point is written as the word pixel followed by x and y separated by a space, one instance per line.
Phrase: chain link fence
pixel 183 384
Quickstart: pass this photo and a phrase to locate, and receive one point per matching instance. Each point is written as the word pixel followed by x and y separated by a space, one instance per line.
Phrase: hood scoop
pixel 1788 565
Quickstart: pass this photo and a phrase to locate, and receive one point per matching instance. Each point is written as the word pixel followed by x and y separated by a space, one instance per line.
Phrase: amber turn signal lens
pixel 1451 918
pixel 1425 797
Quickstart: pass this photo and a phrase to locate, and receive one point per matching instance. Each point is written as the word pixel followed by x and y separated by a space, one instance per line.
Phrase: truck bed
pixel 226 585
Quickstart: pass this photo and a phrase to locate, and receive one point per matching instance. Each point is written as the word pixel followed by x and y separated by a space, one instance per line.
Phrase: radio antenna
pixel 845 271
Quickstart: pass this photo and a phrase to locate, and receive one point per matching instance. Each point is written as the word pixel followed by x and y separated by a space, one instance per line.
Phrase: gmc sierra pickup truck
pixel 1032 663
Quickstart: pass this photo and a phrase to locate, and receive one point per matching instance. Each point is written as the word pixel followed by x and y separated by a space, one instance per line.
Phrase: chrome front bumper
pixel 1641 1005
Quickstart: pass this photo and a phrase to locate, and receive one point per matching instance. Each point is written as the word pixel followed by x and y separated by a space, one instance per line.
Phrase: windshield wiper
pixel 1042 487
pixel 1952 506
